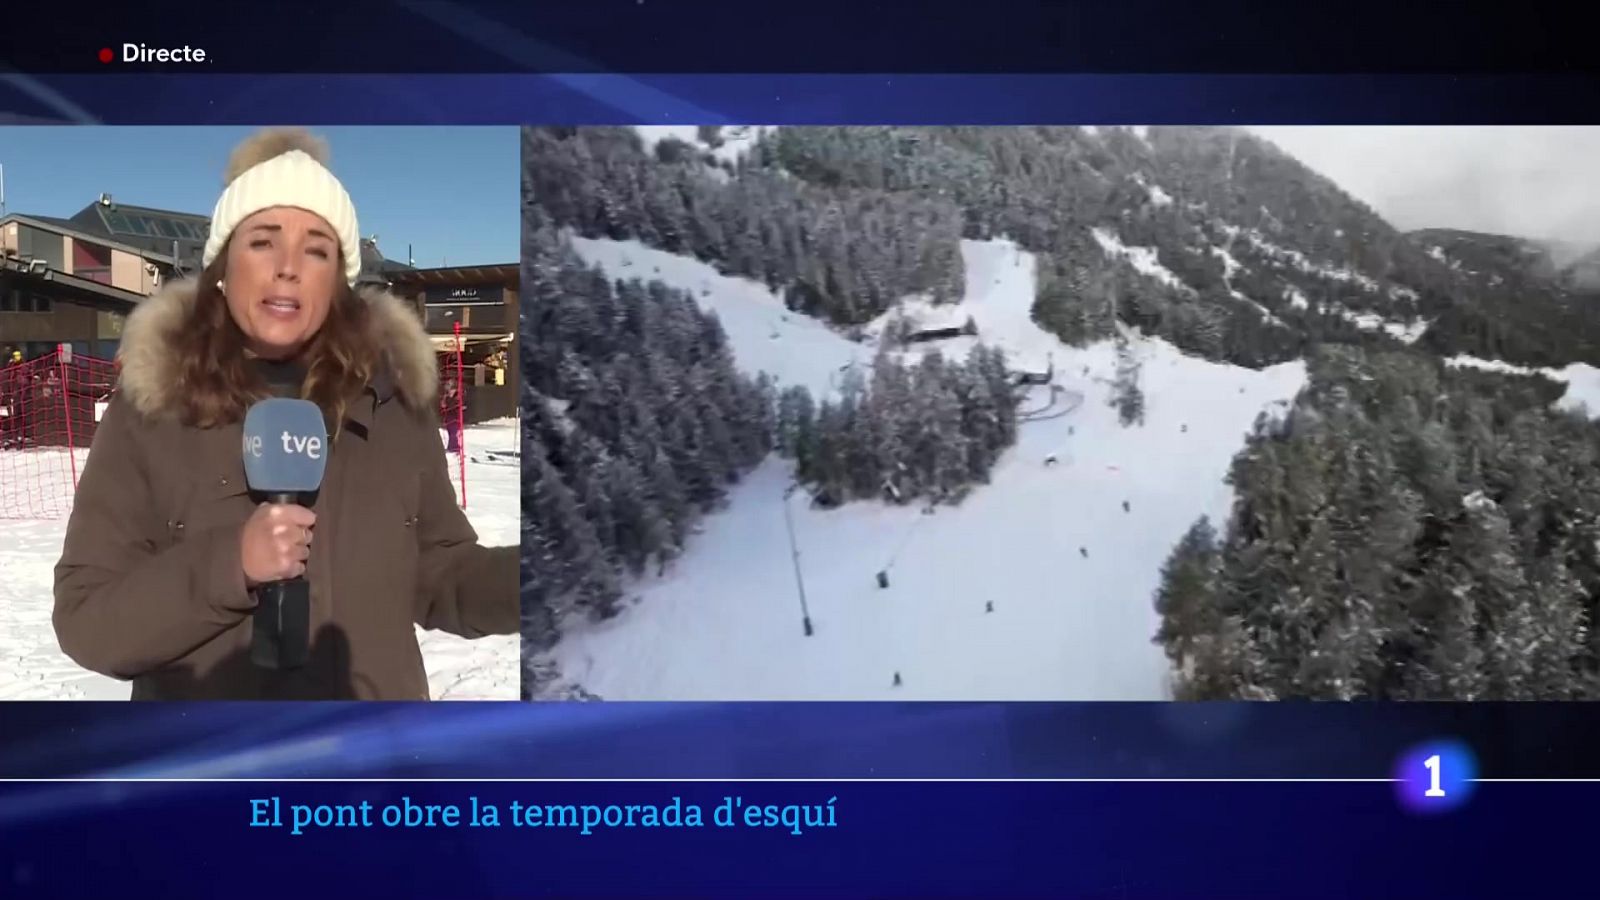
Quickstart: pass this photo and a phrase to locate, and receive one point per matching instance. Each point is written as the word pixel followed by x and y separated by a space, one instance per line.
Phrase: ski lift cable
pixel 905 541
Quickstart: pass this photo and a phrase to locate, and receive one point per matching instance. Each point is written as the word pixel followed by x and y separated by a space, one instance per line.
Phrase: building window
pixel 19 302
pixel 91 261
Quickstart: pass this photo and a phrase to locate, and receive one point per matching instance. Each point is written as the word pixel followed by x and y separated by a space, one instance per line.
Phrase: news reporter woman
pixel 165 543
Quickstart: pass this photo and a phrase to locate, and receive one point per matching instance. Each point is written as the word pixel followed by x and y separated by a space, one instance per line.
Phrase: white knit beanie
pixel 284 167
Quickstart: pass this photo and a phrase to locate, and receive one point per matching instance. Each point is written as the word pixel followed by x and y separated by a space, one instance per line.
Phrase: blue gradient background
pixel 927 838
pixel 783 740
pixel 952 839
pixel 201 99
pixel 437 36
pixel 892 839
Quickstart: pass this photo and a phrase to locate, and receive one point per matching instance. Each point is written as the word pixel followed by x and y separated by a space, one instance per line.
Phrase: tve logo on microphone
pixel 285 446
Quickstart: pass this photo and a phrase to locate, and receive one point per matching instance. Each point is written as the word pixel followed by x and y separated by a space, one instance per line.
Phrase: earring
pixel 220 287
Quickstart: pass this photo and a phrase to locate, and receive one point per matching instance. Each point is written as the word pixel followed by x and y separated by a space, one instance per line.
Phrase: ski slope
pixel 765 335
pixel 725 622
pixel 32 666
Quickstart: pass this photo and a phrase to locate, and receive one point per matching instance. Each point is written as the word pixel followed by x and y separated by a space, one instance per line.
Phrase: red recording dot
pixel 106 55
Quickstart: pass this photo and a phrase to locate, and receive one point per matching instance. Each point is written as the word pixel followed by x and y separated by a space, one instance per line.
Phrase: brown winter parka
pixel 150 586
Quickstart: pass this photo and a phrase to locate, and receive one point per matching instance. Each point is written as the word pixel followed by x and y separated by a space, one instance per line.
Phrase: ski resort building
pixel 1025 378
pixel 73 281
pixel 938 334
pixel 480 304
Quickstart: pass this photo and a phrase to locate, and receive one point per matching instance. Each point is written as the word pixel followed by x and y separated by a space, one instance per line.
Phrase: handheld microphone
pixel 285 455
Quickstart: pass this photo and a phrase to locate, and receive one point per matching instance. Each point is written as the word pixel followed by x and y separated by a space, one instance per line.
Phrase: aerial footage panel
pixel 1060 413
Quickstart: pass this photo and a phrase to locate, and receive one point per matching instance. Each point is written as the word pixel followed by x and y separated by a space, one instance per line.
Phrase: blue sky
pixel 452 193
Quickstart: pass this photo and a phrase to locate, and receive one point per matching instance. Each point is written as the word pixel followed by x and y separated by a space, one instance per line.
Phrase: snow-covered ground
pixel 1303 263
pixel 1408 333
pixel 735 141
pixel 1405 332
pixel 1143 259
pixel 32 666
pixel 1158 197
pixel 803 350
pixel 1070 574
pixel 1438 253
pixel 1582 379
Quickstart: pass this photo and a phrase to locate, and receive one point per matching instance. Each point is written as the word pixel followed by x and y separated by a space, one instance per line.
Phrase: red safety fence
pixel 49 409
pixel 453 408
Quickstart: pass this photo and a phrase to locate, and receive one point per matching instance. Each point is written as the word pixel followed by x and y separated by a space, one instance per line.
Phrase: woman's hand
pixel 275 542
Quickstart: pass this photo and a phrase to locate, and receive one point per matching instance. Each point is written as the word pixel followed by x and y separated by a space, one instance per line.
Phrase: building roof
pixel 505 273
pixel 177 235
pixel 83 286
pixel 60 223
pixel 375 267
pixel 71 228
pixel 170 236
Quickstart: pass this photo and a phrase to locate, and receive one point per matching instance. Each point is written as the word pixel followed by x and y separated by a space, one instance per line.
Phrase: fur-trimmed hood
pixel 149 364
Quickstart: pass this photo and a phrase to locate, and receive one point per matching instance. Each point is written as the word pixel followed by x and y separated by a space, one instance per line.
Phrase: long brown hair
pixel 217 382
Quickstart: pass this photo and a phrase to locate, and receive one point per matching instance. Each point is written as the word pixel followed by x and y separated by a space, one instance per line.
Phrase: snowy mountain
pixel 1068 571
pixel 1488 257
pixel 1248 414
pixel 1527 301
pixel 1580 271
pixel 1210 237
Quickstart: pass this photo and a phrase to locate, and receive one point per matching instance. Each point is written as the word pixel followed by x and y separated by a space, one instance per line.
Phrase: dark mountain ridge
pixel 1210 237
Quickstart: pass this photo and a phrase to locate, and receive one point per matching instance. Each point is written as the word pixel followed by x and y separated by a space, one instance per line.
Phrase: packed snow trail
pixel 805 351
pixel 32 666
pixel 724 623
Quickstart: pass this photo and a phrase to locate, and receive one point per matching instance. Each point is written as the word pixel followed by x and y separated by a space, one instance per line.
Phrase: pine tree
pixel 1321 653
pixel 641 530
pixel 1452 661
pixel 894 428
pixel 582 575
pixel 790 404
pixel 669 496
pixel 763 398
pixel 1226 666
pixel 949 458
pixel 1186 600
pixel 1126 395
pixel 1561 632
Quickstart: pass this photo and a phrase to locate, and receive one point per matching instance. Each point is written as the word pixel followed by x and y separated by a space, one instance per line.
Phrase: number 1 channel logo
pixel 1436 777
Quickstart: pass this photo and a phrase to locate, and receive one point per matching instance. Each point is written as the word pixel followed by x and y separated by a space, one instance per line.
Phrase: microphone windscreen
pixel 285 446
